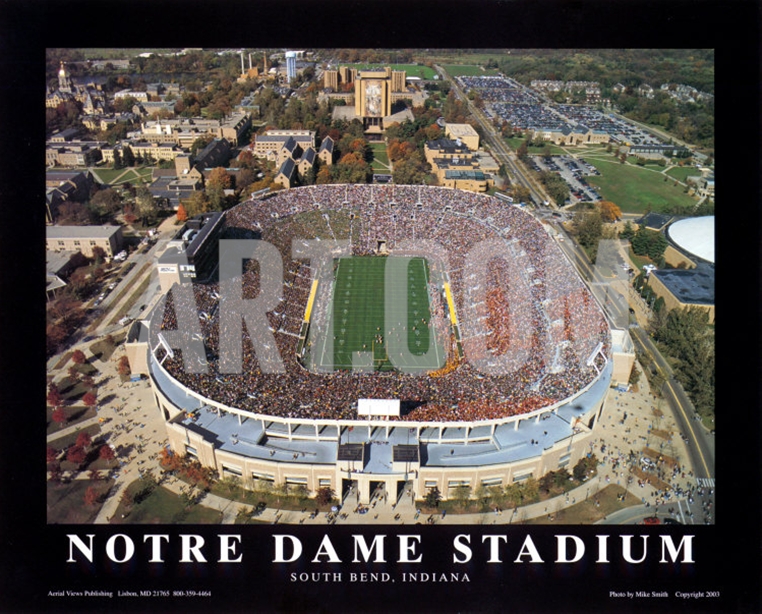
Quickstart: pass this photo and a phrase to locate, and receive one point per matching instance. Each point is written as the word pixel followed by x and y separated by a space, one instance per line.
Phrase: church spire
pixel 64 80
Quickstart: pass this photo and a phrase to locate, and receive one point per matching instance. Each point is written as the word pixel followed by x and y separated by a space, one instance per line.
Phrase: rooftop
pixel 81 232
pixel 694 235
pixel 694 286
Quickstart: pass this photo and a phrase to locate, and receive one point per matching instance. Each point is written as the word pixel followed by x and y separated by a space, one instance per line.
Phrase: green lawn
pixel 111 176
pixel 681 173
pixel 635 189
pixel 380 162
pixel 162 506
pixel 359 314
pixel 514 143
pixel 457 70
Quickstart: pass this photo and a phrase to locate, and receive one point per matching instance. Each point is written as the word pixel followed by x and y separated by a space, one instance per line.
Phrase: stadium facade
pixel 460 426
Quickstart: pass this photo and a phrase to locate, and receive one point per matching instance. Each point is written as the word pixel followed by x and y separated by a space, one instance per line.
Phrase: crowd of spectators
pixel 520 305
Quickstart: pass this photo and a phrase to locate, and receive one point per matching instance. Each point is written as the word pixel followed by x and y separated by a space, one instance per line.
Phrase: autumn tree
pixel 219 178
pixel 76 455
pixel 59 415
pixel 588 225
pixel 123 367
pixel 51 454
pixel 89 399
pixel 182 214
pixel 609 211
pixel 99 256
pixel 54 395
pixel 106 452
pixel 78 357
pixel 84 440
pixel 197 204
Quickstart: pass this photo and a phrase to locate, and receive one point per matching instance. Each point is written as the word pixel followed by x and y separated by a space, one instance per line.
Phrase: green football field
pixel 367 316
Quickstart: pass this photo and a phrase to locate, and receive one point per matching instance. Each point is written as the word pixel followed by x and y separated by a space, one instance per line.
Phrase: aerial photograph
pixel 315 286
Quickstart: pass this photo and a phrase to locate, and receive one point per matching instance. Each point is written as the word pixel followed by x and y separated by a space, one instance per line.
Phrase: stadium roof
pixel 695 236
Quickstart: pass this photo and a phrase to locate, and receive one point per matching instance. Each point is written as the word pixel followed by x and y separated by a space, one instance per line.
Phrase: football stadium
pixel 419 337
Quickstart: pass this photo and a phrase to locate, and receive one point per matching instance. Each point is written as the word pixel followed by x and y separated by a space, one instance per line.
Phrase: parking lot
pixel 574 172
pixel 523 108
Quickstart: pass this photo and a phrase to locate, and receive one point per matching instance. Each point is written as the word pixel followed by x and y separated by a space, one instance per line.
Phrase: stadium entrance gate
pixel 350 492
pixel 378 490
pixel 404 489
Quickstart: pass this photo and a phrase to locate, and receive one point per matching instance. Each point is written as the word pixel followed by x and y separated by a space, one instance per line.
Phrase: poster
pixel 440 568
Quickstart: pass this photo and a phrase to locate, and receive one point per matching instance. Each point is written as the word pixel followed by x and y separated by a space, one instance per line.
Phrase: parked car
pixel 651 520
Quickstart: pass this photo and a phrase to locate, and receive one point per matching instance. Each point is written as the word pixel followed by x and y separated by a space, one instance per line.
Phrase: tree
pixel 433 497
pixel 146 204
pixel 589 227
pixel 59 416
pixel 128 156
pixel 219 178
pixel 105 203
pixel 89 399
pixel 182 214
pixel 106 452
pixel 54 397
pixel 123 367
pixel 324 496
pixel 523 150
pixel 56 474
pixel 609 211
pixel 627 232
pixel 76 455
pixel 84 440
pixel 78 357
pixel 51 454
pixel 99 255
pixel 584 467
pixel 197 203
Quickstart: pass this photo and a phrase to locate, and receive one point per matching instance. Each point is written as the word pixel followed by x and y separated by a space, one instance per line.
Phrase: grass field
pixel 380 162
pixel 110 176
pixel 458 70
pixel 366 316
pixel 635 189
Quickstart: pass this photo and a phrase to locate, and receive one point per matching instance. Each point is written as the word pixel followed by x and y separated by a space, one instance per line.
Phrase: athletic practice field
pixel 367 314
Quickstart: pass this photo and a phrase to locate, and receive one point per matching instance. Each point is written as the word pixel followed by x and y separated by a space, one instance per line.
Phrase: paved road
pixel 701 442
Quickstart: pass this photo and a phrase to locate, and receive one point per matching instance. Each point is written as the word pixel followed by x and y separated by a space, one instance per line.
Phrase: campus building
pixel 375 92
pixel 692 249
pixel 84 239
